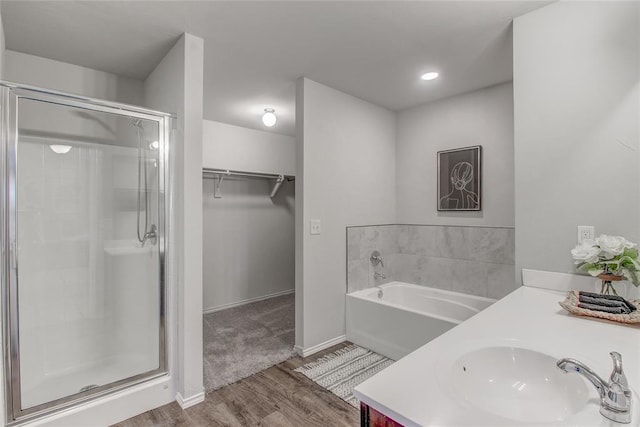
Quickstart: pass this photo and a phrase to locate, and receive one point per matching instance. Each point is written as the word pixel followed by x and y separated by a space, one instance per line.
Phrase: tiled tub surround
pixel 472 260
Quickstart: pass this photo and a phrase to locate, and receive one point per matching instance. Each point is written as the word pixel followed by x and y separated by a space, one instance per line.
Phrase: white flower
pixel 609 254
pixel 587 251
pixel 612 246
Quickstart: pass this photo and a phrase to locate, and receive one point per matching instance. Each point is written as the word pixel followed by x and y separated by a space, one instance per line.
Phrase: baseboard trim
pixel 190 401
pixel 247 301
pixel 306 352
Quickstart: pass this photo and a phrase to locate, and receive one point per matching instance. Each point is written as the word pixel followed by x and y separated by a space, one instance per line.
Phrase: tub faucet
pixel 615 396
pixel 380 293
pixel 376 258
pixel 377 275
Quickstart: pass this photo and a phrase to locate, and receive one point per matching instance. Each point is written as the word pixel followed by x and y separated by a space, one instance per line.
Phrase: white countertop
pixel 415 390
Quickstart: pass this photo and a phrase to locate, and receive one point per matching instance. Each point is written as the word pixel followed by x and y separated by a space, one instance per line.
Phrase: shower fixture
pixel 151 233
pixel 55 364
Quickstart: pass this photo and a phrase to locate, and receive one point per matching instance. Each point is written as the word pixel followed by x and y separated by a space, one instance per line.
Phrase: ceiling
pixel 255 50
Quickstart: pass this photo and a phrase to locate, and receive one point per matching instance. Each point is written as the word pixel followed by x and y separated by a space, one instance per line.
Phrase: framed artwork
pixel 459 176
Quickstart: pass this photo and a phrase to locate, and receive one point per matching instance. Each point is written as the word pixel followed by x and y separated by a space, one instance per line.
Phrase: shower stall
pixel 83 248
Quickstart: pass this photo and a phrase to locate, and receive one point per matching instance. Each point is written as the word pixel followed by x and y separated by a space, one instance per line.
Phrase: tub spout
pixel 380 293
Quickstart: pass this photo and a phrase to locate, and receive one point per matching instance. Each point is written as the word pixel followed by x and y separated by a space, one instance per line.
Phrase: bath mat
pixel 340 371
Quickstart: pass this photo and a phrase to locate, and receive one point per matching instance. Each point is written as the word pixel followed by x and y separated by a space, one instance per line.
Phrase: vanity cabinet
pixel 369 417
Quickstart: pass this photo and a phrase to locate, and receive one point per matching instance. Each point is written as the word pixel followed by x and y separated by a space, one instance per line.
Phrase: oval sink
pixel 518 384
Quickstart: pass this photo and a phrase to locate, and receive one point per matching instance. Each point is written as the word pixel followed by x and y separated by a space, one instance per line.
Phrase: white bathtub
pixel 406 317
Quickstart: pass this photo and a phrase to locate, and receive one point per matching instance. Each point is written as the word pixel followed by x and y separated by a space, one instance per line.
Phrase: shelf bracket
pixel 276 185
pixel 217 193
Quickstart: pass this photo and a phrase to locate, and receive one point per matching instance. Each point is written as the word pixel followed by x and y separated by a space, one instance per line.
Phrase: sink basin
pixel 518 384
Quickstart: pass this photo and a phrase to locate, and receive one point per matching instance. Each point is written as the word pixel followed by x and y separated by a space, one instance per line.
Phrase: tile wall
pixel 472 260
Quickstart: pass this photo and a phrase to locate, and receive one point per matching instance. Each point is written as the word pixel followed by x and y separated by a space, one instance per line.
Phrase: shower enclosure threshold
pixel 62 384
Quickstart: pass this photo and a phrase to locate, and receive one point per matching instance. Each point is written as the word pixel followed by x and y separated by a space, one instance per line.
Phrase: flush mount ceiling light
pixel 429 76
pixel 60 149
pixel 269 117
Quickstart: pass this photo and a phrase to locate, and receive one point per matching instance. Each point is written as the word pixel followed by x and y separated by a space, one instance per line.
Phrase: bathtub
pixel 406 317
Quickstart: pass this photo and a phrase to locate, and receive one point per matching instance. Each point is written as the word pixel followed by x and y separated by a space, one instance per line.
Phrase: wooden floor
pixel 276 396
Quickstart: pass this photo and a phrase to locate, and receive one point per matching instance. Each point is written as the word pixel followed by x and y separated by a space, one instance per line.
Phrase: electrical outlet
pixel 315 226
pixel 586 232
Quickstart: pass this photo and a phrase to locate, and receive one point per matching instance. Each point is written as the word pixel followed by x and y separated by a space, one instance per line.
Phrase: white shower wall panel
pixel 61 288
pixel 88 293
pixel 131 276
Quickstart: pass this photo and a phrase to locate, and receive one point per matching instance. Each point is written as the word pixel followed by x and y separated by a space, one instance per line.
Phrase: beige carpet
pixel 241 341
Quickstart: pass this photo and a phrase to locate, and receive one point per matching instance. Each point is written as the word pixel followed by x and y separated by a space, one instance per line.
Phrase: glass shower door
pixel 86 297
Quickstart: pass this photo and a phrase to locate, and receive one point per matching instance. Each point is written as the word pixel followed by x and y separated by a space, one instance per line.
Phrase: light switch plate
pixel 315 226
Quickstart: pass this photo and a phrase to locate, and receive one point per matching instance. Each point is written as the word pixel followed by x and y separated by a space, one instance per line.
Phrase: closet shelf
pixel 220 174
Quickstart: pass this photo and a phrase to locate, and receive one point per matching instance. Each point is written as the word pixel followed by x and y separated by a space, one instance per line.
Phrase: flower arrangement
pixel 608 255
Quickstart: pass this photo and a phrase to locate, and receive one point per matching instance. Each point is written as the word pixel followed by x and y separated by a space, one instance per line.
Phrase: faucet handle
pixel 616 403
pixel 617 375
pixel 376 258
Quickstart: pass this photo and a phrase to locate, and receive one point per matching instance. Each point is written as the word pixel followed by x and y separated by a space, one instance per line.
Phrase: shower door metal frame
pixel 10 94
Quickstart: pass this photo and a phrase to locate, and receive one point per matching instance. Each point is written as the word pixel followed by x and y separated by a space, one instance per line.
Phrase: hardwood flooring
pixel 276 396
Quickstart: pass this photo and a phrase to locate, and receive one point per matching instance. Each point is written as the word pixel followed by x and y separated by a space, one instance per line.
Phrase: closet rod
pixel 220 174
pixel 230 172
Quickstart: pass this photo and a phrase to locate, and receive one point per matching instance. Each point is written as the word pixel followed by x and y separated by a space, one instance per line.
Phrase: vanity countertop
pixel 416 391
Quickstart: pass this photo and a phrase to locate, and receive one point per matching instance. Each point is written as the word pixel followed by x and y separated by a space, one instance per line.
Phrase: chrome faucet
pixel 615 396
pixel 151 235
pixel 377 275
pixel 380 293
pixel 376 258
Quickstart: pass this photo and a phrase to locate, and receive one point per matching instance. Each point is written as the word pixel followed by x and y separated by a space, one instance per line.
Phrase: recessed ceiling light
pixel 269 117
pixel 429 76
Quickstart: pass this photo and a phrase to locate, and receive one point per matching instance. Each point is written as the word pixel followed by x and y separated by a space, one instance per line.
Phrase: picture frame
pixel 459 179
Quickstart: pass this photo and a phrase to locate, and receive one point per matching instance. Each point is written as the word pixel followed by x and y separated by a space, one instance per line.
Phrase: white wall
pixel 176 85
pixel 61 76
pixel 248 237
pixel 483 117
pixel 577 104
pixel 345 155
pixel 227 146
pixel 248 242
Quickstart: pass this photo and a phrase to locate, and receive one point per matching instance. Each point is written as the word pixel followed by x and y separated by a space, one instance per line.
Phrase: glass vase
pixel 607 283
